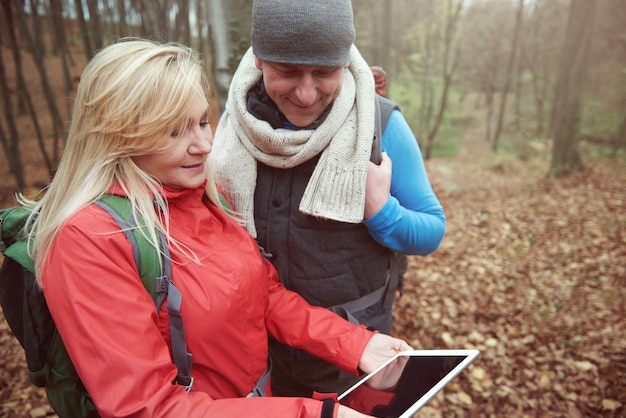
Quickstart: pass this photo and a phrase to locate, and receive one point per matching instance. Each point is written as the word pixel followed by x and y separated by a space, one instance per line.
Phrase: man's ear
pixel 258 63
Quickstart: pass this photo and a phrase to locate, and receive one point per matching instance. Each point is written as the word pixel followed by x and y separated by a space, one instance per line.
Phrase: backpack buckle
pixel 185 381
pixel 160 284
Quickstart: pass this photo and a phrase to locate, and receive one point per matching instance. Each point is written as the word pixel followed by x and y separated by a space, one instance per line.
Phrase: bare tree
pixel 61 47
pixel 427 91
pixel 82 24
pixel 11 145
pixel 4 141
pixel 94 23
pixel 450 61
pixel 540 40
pixel 612 50
pixel 38 56
pixel 486 45
pixel 22 87
pixel 201 27
pixel 181 28
pixel 565 151
pixel 37 24
pixel 508 74
pixel 121 13
pixel 219 30
pixel 229 25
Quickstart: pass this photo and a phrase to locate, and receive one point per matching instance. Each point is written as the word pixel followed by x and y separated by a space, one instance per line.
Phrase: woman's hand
pixel 345 412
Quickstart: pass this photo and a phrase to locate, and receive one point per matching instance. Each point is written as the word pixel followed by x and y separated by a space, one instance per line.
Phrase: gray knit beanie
pixel 305 32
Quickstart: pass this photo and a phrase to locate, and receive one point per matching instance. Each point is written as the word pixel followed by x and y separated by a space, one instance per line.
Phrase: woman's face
pixel 182 163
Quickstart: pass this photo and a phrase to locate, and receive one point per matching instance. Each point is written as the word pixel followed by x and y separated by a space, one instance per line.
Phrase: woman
pixel 140 129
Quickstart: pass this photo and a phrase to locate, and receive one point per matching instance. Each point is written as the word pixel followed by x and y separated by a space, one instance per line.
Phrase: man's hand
pixel 377 186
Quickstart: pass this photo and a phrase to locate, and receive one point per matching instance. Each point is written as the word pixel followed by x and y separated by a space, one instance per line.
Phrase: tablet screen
pixel 415 377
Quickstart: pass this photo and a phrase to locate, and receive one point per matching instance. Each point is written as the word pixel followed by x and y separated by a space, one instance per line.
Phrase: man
pixel 292 151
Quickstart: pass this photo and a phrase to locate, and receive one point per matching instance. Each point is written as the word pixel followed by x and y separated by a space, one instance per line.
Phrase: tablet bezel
pixel 469 354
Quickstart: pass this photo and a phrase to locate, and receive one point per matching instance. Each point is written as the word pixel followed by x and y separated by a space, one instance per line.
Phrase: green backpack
pixel 26 312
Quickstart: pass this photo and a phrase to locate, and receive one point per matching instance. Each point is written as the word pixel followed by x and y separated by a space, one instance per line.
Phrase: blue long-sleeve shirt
pixel 413 220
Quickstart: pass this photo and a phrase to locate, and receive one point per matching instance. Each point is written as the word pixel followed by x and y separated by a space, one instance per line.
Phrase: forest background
pixel 519 107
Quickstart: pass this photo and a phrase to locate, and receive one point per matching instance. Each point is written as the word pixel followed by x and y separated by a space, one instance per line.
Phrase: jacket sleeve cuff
pixel 328 408
pixel 329 403
pixel 356 343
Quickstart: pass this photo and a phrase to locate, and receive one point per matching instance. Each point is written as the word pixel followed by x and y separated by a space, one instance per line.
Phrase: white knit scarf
pixel 336 189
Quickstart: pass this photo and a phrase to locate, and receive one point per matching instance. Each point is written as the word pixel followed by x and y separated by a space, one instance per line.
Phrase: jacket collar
pixel 168 193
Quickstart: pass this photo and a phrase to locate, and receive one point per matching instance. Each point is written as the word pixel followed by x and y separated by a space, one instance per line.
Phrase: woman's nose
pixel 203 141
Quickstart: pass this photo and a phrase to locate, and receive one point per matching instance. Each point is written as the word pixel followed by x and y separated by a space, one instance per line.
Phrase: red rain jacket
pixel 231 301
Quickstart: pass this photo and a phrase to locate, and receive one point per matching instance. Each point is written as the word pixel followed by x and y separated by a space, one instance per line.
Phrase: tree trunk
pixel 94 23
pixel 566 156
pixel 426 101
pixel 509 71
pixel 201 28
pixel 183 23
pixel 450 61
pixel 518 92
pixel 489 95
pixel 37 25
pixel 384 27
pixel 22 87
pixel 12 143
pixel 82 24
pixel 218 27
pixel 61 39
pixel 121 11
pixel 4 141
pixel 57 120
pixel 620 137
pixel 539 106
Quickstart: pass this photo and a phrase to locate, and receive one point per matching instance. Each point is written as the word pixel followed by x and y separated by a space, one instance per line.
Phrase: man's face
pixel 301 92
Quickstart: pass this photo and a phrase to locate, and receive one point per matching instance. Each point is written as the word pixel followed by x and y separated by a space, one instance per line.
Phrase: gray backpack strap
pixel 182 358
pixel 384 107
pixel 377 142
pixel 259 388
pixel 163 286
pixel 393 280
pixel 347 309
pixel 383 295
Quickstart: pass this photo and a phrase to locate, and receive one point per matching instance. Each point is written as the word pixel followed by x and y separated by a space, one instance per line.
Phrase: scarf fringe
pixel 339 205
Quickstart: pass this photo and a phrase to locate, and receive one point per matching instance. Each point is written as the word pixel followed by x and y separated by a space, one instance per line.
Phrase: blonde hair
pixel 130 95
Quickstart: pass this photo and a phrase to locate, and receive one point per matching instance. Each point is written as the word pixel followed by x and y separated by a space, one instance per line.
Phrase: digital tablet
pixel 405 383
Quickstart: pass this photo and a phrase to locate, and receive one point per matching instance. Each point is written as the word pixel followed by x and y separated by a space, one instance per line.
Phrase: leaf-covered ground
pixel 532 272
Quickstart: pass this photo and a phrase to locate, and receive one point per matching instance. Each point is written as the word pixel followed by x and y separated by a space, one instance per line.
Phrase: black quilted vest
pixel 327 262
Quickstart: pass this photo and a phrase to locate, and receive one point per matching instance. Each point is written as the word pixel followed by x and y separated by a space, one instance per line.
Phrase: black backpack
pixel 398 263
pixel 26 311
pixel 384 107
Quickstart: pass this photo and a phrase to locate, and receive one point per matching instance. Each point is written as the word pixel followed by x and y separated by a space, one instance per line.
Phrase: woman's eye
pixel 175 134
